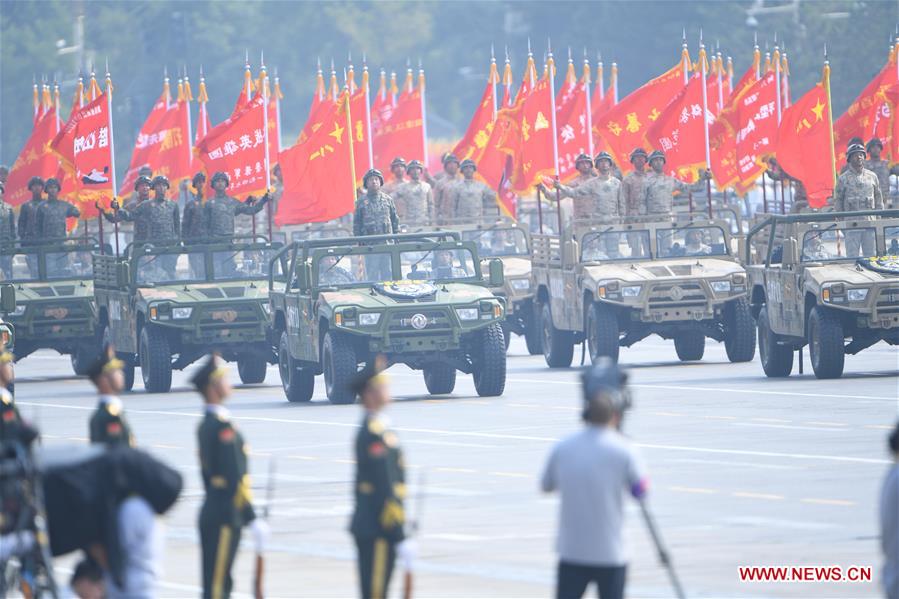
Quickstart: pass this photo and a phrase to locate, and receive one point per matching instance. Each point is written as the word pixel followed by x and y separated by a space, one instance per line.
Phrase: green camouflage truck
pixel 7 305
pixel 164 307
pixel 614 285
pixel 55 306
pixel 827 280
pixel 418 299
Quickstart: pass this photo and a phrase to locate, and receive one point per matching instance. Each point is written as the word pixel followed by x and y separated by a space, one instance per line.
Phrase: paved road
pixel 744 471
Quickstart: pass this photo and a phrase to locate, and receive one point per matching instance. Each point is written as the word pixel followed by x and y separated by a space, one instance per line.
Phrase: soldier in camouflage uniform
pixel 194 228
pixel 632 198
pixel 7 232
pixel 858 189
pixel 413 199
pixel 51 217
pixel 108 424
pixel 442 184
pixel 157 220
pixel 470 198
pixel 221 209
pixel 584 165
pixel 375 215
pixel 398 170
pixel 881 168
pixel 658 191
pixel 28 212
pixel 598 198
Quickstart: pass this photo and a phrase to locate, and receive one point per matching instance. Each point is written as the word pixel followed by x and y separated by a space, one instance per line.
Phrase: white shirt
pixel 592 470
pixel 140 538
pixel 111 400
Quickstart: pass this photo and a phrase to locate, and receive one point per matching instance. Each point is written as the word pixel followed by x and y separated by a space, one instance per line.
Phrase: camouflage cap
pixel 398 161
pixel 637 152
pixel 468 162
pixel 855 149
pixel 52 182
pixel 449 157
pixel 415 164
pixel 874 141
pixel 140 180
pixel 583 158
pixel 161 179
pixel 372 172
pixel 35 181
pixel 604 156
pixel 220 175
pixel 657 154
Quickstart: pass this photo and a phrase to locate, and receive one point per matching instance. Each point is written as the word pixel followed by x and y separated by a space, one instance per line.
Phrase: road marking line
pixel 824 423
pixel 305 458
pixel 667 414
pixel 697 490
pixel 511 474
pixel 779 420
pixel 787 426
pixel 720 417
pixel 840 502
pixel 343 461
pixel 461 470
pixel 879 427
pixel 164 446
pixel 751 495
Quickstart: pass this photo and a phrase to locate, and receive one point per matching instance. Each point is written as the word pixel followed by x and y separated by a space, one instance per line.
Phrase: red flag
pixel 161 144
pixel 624 127
pixel 478 133
pixel 359 134
pixel 35 160
pixel 755 128
pixel 402 134
pixel 534 159
pixel 679 132
pixel 85 147
pixel 319 182
pixel 858 120
pixel 572 130
pixel 237 147
pixel 804 143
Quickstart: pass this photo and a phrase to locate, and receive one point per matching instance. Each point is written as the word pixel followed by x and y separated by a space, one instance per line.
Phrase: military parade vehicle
pixel 614 285
pixel 165 306
pixel 418 299
pixel 55 292
pixel 825 279
pixel 325 230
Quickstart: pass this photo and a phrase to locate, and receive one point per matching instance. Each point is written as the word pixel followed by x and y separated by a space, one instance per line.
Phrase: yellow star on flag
pixel 818 109
pixel 337 133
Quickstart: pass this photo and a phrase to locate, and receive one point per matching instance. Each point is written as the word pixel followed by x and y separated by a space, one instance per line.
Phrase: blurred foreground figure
pixel 592 470
pixel 889 521
pixel 379 518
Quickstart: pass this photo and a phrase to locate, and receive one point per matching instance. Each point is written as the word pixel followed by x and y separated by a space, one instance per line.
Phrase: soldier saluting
pixel 375 211
pixel 223 463
pixel 52 215
pixel 108 424
pixel 193 222
pixel 222 208
pixel 599 197
pixel 659 188
pixel 379 517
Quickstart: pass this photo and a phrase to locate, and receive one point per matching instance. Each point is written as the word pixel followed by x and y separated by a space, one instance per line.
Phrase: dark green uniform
pixel 108 424
pixel 378 519
pixel 228 504
pixel 10 420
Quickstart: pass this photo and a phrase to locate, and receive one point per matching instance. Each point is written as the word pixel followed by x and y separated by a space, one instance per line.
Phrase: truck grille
pixel 225 315
pixel 675 295
pixel 402 321
pixel 888 301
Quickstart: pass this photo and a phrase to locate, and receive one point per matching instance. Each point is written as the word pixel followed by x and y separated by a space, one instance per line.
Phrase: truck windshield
pixel 834 243
pixel 508 241
pixel 891 240
pixel 615 245
pixel 691 241
pixel 241 264
pixel 168 268
pixel 66 264
pixel 437 264
pixel 344 270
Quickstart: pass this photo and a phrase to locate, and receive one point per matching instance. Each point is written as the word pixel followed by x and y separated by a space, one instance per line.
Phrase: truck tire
pixel 490 362
pixel 507 335
pixel 128 359
pixel 82 358
pixel 533 335
pixel 298 383
pixel 440 378
pixel 252 369
pixel 602 332
pixel 155 360
pixel 739 331
pixel 690 346
pixel 777 360
pixel 825 342
pixel 558 348
pixel 340 366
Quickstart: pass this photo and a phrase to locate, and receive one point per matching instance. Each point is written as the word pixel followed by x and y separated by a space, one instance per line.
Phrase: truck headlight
pixel 181 313
pixel 467 313
pixel 720 286
pixel 857 295
pixel 630 291
pixel 520 284
pixel 369 319
pixel 20 310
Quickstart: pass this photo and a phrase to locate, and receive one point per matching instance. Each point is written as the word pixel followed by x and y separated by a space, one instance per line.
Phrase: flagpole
pixel 600 79
pixel 589 109
pixel 277 92
pixel 268 166
pixel 190 135
pixel 371 154
pixel 112 174
pixel 424 114
pixel 56 103
pixel 720 83
pixel 494 75
pixel 829 117
pixel 705 122
pixel 614 83
pixel 349 128
pixel 550 64
pixel 779 103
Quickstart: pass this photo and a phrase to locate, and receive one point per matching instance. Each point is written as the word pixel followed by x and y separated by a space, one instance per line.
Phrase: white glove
pixel 260 530
pixel 406 551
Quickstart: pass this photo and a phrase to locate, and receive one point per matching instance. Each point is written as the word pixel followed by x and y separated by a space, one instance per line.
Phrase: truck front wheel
pixel 155 360
pixel 777 359
pixel 533 335
pixel 558 348
pixel 251 369
pixel 602 332
pixel 340 366
pixel 298 383
pixel 825 339
pixel 490 362
pixel 739 331
pixel 690 346
pixel 440 378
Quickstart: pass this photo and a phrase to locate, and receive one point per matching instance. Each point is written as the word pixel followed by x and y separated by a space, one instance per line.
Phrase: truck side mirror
pixel 123 274
pixel 790 252
pixel 497 278
pixel 7 298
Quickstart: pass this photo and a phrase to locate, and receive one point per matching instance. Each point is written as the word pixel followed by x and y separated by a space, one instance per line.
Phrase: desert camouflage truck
pixel 55 298
pixel 614 285
pixel 164 307
pixel 418 299
pixel 829 280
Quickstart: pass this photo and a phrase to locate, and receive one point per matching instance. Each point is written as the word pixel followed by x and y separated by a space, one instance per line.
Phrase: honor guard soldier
pixel 413 199
pixel 398 170
pixel 597 198
pixel 28 230
pixel 7 232
pixel 379 518
pixel 442 184
pixel 221 209
pixel 52 215
pixel 156 220
pixel 375 211
pixel 858 189
pixel 223 463
pixel 471 198
pixel 108 424
pixel 584 165
pixel 632 185
pixel 880 167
